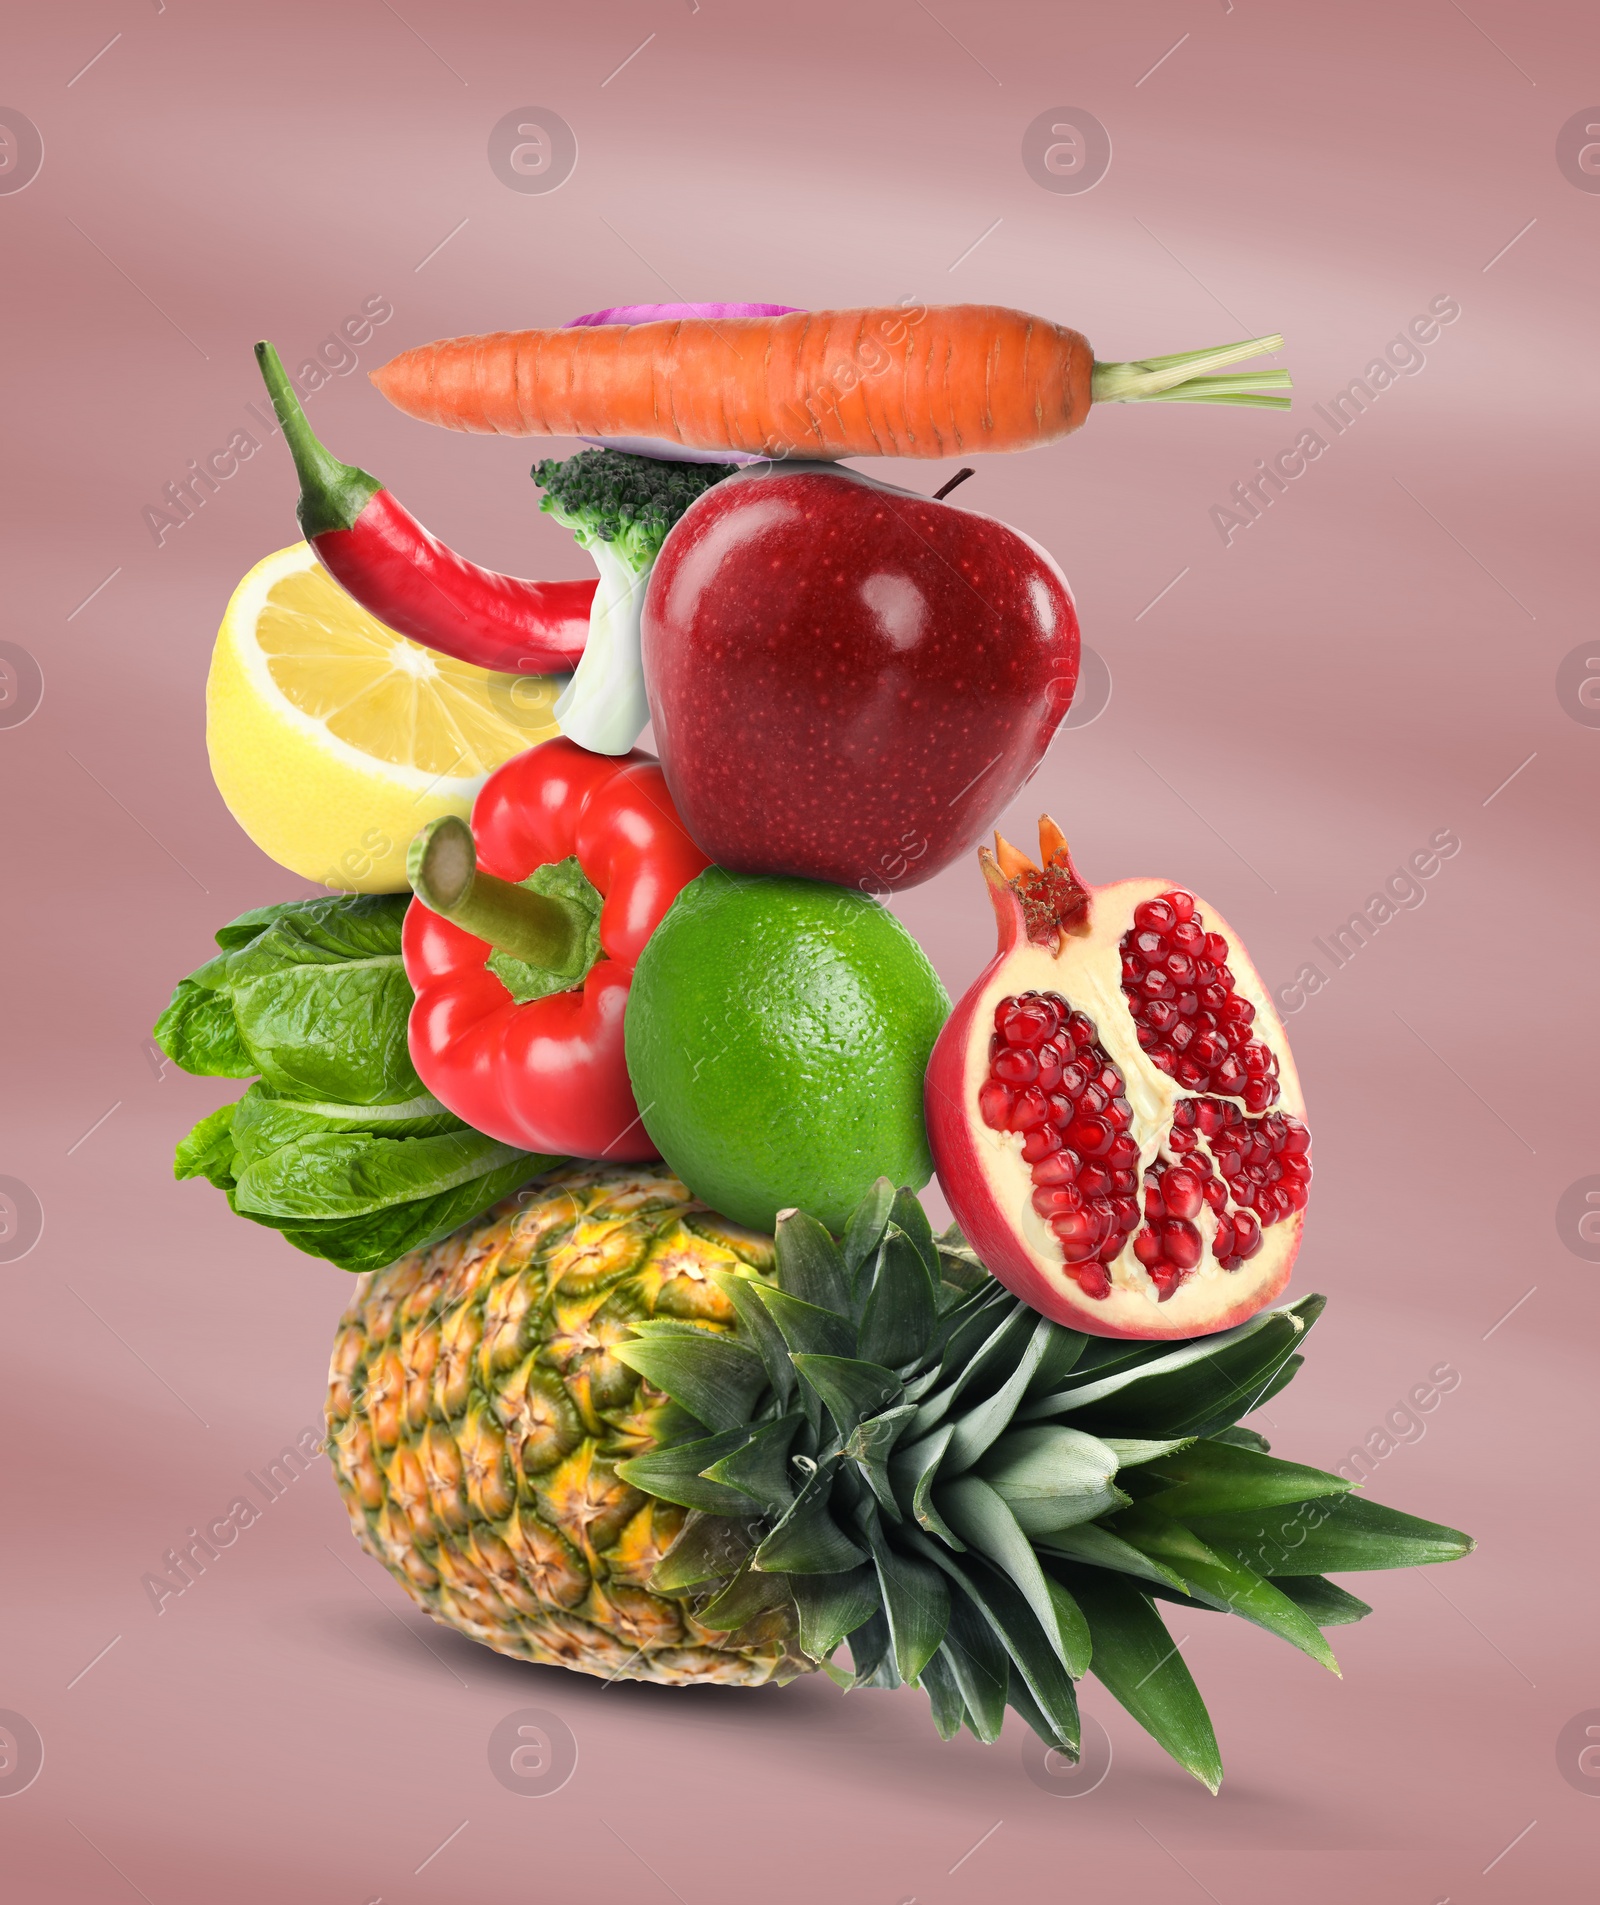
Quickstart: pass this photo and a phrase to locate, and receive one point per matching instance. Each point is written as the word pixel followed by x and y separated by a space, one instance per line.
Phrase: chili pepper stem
pixel 332 494
pixel 539 928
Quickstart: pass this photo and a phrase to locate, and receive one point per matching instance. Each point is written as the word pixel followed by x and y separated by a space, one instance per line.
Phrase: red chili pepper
pixel 410 580
pixel 546 1073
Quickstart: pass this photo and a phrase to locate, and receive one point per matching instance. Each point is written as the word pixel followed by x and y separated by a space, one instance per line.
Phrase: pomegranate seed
pixel 1181 1243
pixel 1031 1108
pixel 1259 1093
pixel 1296 1138
pixel 994 1105
pixel 1182 904
pixel 1156 984
pixel 1246 1233
pixel 1049 1069
pixel 1030 1024
pixel 1189 936
pixel 1073 1079
pixel 1060 1111
pixel 1124 1183
pixel 1118 1114
pixel 1161 1014
pixel 1216 1194
pixel 1093 1281
pixel 1157 916
pixel 1180 1190
pixel 1209 1050
pixel 1209 1117
pixel 1189 1074
pixel 1053 1200
pixel 1122 1153
pixel 1183 1113
pixel 1092 1100
pixel 1181 967
pixel 1082 1029
pixel 1133 969
pixel 1222 1243
pixel 1148 1037
pixel 1181 1036
pixel 1060 1167
pixel 1147 1248
pixel 1216 949
pixel 1180 1140
pixel 1040 1142
pixel 1016 1066
pixel 1238 1011
pixel 1094 1180
pixel 1090 1137
pixel 1214 996
pixel 1127 1210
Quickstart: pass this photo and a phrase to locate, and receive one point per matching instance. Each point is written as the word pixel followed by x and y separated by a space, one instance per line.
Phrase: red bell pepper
pixel 517 1025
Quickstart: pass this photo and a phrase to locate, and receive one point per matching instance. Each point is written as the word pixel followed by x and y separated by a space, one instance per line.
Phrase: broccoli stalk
pixel 620 508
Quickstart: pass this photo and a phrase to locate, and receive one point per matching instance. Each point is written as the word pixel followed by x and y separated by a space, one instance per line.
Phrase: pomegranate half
pixel 1113 1109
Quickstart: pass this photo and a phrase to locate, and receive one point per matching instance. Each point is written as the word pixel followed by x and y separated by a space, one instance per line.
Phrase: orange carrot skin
pixel 930 381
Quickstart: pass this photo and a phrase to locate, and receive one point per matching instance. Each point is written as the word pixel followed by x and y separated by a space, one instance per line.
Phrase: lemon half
pixel 333 739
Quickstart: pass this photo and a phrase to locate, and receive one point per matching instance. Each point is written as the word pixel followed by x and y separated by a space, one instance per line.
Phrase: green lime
pixel 777 1034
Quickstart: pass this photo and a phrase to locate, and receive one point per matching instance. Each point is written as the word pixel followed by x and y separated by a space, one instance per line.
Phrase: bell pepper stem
pixel 332 494
pixel 539 928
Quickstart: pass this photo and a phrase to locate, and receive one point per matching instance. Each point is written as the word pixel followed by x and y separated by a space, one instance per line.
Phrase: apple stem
pixel 960 477
pixel 1192 377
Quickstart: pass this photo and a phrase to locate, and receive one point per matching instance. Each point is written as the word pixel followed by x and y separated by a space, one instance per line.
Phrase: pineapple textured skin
pixel 477 1412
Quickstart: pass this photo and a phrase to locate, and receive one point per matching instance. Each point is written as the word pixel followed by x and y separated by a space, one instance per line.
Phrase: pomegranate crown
pixel 1050 898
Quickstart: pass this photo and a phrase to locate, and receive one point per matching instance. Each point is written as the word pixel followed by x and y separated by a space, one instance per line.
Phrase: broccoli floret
pixel 629 501
pixel 620 508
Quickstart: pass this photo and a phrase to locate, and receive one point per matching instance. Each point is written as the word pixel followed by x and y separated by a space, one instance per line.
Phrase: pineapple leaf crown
pixel 913 1462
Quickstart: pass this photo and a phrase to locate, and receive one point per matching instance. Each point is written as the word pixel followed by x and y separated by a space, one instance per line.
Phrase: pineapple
pixel 478 1411
pixel 604 1428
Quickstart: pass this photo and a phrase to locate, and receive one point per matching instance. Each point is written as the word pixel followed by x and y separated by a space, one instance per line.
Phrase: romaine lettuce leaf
pixel 337 1145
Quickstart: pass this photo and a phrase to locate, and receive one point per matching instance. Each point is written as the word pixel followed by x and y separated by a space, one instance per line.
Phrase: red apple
pixel 848 681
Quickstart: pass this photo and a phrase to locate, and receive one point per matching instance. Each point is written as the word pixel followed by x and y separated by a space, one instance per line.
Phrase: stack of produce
pixel 657 1368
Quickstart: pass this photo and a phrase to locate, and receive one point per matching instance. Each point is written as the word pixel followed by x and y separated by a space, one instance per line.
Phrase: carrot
pixel 888 381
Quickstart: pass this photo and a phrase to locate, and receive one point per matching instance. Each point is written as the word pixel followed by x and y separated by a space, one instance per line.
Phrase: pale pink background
pixel 1298 714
